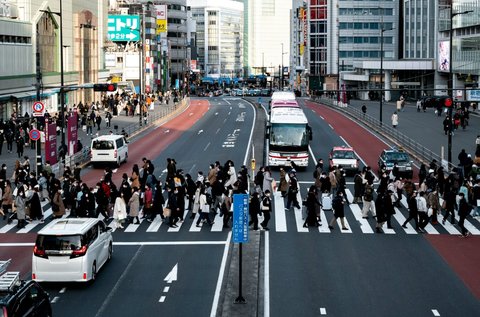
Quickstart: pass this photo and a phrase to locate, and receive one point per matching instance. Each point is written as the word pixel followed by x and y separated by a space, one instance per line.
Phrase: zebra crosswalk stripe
pixel 280 218
pixel 401 219
pixel 155 225
pixel 357 213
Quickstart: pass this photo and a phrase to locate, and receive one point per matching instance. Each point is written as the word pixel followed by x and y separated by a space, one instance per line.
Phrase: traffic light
pixel 105 87
pixel 448 102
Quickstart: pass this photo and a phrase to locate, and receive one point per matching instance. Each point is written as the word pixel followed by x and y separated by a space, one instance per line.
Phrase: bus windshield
pixel 289 135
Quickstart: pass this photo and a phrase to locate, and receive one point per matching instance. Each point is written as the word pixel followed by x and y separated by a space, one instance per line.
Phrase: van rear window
pixel 103 145
pixel 59 243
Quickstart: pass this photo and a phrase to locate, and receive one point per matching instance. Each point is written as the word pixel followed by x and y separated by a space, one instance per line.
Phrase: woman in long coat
pixel 311 204
pixel 36 212
pixel 134 204
pixel 283 187
pixel 119 211
pixel 59 209
pixel 20 201
pixel 267 180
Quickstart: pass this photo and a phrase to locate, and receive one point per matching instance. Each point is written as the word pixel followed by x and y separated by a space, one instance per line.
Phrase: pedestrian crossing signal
pixel 105 87
pixel 448 102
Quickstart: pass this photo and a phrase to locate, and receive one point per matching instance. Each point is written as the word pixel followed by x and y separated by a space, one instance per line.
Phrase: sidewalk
pixel 130 124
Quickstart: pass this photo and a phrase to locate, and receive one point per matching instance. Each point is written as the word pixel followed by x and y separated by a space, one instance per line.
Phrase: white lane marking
pixel 266 276
pixel 128 243
pixel 227 101
pixel 7 228
pixel 323 228
pixel 357 213
pixel 322 117
pixel 225 120
pixel 323 311
pixel 312 155
pixel 166 289
pixel 179 224
pixel 218 225
pixel 102 310
pixel 133 227
pixel 155 225
pixel 229 112
pixel 401 219
pixel 216 297
pixel 435 312
pixel 63 290
pixel 162 299
pixel 172 275
pixel 55 299
pixel 280 218
pixel 199 132
pixel 331 127
pixel 218 130
pixel 166 131
pixel 193 226
pixel 206 147
pixel 298 215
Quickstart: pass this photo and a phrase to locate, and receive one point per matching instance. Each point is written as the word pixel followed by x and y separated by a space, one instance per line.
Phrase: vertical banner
pixel 72 134
pixel 162 24
pixel 51 143
pixel 240 218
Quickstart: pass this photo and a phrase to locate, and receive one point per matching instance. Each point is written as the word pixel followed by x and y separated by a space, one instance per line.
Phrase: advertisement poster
pixel 72 134
pixel 51 143
pixel 444 56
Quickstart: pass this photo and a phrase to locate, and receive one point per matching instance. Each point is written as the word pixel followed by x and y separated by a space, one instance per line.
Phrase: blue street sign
pixel 124 28
pixel 240 218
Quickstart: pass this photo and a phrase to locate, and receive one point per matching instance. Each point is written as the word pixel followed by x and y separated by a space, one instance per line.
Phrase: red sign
pixel 34 135
pixel 51 143
pixel 38 109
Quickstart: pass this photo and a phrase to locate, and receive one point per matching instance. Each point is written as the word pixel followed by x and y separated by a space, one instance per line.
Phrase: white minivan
pixel 71 250
pixel 109 149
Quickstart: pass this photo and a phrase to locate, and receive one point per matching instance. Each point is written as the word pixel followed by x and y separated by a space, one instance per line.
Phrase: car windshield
pixel 396 157
pixel 346 155
pixel 102 145
pixel 59 243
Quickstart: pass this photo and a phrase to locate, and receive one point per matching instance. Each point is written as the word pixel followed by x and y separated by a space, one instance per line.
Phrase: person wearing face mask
pixel 57 205
pixel 231 174
pixel 338 205
pixel 266 208
pixel 20 201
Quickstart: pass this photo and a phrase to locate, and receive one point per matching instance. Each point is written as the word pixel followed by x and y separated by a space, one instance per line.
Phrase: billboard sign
pixel 124 28
pixel 240 218
pixel 162 24
pixel 473 94
pixel 443 56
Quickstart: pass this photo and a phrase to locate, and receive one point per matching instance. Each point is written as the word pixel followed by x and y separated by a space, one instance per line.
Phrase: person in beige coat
pixel 58 207
pixel 134 204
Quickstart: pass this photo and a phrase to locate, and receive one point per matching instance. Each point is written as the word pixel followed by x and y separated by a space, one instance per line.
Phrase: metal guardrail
pixel 417 150
pixel 83 156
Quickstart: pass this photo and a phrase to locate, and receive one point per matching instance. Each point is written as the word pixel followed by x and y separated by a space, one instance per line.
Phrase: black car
pixel 388 158
pixel 21 298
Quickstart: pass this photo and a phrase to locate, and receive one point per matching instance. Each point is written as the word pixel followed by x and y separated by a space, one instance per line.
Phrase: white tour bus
pixel 288 137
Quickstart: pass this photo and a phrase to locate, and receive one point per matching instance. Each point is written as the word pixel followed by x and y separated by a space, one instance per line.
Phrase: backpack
pixel 368 193
pixel 209 199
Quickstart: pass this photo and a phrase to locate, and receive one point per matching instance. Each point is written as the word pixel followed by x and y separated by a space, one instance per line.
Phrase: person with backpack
pixel 204 209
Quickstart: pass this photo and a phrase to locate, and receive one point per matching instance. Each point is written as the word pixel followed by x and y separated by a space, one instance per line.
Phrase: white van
pixel 109 149
pixel 71 250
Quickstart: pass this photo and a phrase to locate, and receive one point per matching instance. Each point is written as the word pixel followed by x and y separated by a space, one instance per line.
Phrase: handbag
pixel 430 212
pixel 167 212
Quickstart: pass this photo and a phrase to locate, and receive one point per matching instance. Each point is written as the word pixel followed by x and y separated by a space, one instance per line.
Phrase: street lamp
pixel 62 81
pixel 381 71
pixel 281 71
pixel 450 82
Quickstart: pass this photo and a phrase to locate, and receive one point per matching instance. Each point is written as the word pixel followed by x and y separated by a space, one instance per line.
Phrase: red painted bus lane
pixel 367 145
pixel 154 142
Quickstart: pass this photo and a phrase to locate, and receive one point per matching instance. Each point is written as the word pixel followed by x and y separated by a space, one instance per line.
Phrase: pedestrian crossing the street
pixel 282 221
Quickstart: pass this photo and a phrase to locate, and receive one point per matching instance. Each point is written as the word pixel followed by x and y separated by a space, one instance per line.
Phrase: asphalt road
pixel 306 271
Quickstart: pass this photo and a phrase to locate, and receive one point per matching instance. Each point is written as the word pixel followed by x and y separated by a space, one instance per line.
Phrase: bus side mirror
pixel 267 132
pixel 309 129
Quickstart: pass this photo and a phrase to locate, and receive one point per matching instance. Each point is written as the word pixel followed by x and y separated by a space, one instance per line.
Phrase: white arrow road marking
pixel 166 131
pixel 201 131
pixel 190 114
pixel 323 311
pixel 172 275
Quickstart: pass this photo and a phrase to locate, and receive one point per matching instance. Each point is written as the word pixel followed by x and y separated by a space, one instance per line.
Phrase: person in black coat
pixel 389 209
pixel 254 210
pixel 266 209
pixel 310 204
pixel 463 210
pixel 380 210
pixel 158 201
pixel 338 205
pixel 36 212
pixel 412 210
